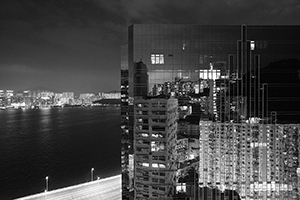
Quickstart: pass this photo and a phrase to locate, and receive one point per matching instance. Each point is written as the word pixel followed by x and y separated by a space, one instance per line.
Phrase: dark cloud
pixel 205 11
pixel 61 41
pixel 75 44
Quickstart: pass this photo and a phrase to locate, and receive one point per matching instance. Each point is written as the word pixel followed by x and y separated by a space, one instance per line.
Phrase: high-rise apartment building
pixel 220 77
pixel 154 146
pixel 9 97
pixel 67 97
pixel 2 98
pixel 87 98
pixel 109 95
pixel 256 160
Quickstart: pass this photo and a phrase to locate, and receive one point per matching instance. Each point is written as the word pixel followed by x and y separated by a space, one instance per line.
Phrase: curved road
pixel 103 189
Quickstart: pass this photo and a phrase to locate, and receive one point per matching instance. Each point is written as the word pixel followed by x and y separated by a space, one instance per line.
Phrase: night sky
pixel 74 45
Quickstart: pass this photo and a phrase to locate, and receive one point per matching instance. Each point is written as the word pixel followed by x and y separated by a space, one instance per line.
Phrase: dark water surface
pixel 63 144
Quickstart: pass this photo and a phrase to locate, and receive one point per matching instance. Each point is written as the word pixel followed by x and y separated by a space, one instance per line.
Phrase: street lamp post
pixel 92 170
pixel 47 183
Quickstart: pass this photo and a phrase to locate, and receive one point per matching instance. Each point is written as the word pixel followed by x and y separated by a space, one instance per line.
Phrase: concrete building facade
pixel 154 138
pixel 259 161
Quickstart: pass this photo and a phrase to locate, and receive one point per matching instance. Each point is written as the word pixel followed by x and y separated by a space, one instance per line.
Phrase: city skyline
pixel 36 99
pixel 75 45
pixel 44 89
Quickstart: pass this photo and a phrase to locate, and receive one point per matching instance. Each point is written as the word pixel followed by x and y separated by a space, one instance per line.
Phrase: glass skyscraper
pixel 226 79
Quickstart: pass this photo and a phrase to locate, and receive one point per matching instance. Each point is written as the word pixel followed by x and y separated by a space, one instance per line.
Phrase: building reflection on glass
pixel 210 112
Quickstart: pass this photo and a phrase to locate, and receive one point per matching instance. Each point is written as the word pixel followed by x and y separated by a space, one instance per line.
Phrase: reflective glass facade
pixel 182 49
pixel 236 72
pixel 173 52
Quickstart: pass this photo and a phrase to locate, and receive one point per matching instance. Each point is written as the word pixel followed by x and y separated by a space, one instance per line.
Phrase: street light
pixel 92 170
pixel 46 183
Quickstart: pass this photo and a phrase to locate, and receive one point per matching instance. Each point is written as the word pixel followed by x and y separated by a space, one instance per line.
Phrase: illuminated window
pixel 209 74
pixel 157 135
pixel 158 165
pixel 157 59
pixel 145 164
pixel 252 45
pixel 155 165
pixel 140 127
pixel 157 146
pixel 143 134
pixel 141 120
pixel 162 166
pixel 139 105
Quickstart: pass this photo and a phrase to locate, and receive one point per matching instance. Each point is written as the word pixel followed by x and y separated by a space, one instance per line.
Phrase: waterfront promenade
pixel 103 189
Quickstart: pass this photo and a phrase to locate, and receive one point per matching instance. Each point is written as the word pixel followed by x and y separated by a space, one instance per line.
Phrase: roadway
pixel 103 189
